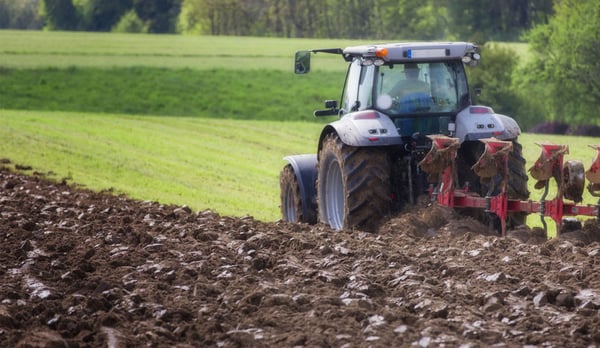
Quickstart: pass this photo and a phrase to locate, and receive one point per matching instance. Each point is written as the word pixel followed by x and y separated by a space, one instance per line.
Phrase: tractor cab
pixel 421 87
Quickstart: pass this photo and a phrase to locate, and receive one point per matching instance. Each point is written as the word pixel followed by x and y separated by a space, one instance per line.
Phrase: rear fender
pixel 364 128
pixel 305 168
pixel 480 122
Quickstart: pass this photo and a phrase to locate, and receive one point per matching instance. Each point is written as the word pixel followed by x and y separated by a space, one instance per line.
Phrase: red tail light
pixel 481 110
pixel 365 115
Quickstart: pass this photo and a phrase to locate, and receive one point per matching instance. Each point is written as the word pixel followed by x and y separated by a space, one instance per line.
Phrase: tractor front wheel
pixel 291 198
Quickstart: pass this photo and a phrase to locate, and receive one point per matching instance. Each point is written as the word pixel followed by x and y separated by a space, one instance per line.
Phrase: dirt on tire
pixel 86 269
pixel 363 185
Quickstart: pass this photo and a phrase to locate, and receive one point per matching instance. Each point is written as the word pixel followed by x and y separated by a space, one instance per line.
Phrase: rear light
pixel 365 115
pixel 481 110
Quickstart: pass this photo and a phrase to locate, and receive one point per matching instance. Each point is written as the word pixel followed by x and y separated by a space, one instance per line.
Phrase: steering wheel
pixel 413 102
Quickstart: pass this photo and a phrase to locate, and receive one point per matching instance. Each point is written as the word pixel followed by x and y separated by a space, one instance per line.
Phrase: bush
pixel 493 78
pixel 130 23
pixel 497 76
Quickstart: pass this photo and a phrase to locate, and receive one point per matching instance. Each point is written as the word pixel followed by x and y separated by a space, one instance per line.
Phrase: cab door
pixel 358 89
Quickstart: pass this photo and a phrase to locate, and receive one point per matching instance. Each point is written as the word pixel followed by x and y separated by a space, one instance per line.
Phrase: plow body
pixel 492 167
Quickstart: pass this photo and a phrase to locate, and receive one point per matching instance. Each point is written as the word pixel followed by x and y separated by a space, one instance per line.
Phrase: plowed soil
pixel 85 269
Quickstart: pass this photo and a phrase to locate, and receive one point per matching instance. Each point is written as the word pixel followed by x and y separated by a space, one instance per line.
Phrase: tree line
pixel 498 20
pixel 148 16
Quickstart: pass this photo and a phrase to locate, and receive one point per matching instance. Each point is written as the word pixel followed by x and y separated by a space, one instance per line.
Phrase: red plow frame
pixel 439 163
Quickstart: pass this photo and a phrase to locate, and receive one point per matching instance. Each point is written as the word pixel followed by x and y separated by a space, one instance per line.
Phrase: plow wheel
pixel 573 180
pixel 468 154
pixel 353 185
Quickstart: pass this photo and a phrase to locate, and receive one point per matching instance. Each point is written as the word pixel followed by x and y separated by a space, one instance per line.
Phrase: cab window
pixel 415 88
pixel 358 93
pixel 350 97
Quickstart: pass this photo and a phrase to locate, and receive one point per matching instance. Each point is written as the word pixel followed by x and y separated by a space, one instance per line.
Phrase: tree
pixel 565 71
pixel 130 23
pixel 193 18
pixel 159 15
pixel 60 15
pixel 498 20
pixel 100 15
pixel 21 14
pixel 494 76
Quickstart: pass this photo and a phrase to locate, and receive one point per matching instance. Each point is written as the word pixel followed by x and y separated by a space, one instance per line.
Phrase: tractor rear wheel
pixel 353 185
pixel 468 154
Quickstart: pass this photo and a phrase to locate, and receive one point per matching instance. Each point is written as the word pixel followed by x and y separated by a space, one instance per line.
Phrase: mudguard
pixel 480 122
pixel 364 128
pixel 305 168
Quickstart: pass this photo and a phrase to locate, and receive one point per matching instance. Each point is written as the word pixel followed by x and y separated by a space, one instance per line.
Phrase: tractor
pixel 406 129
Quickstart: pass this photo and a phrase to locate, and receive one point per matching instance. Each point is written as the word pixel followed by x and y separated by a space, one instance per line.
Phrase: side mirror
pixel 302 62
pixel 331 104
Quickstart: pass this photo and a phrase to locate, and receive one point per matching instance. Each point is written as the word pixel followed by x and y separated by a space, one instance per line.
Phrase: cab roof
pixel 414 51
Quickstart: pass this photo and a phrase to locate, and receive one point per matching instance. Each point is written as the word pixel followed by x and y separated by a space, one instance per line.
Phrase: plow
pixel 568 176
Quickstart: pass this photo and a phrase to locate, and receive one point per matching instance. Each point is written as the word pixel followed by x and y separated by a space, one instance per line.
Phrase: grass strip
pixel 215 93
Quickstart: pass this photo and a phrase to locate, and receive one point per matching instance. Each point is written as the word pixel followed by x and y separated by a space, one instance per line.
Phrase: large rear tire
pixel 291 199
pixel 353 185
pixel 468 154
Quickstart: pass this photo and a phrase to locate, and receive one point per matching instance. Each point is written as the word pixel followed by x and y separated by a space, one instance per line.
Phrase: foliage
pixel 160 15
pixel 100 15
pixel 367 19
pixel 193 18
pixel 425 20
pixel 59 14
pixel 20 14
pixel 565 71
pixel 496 20
pixel 130 23
pixel 494 77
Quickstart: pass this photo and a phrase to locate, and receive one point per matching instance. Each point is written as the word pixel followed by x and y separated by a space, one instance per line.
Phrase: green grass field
pixel 200 121
pixel 214 93
pixel 231 166
pixel 35 49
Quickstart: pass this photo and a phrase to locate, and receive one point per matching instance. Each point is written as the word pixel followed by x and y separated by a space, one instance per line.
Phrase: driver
pixel 411 83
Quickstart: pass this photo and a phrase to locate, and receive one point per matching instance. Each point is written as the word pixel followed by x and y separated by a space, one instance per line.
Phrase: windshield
pixel 414 88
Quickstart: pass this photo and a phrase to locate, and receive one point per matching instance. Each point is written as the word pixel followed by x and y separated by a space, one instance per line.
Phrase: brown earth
pixel 84 269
